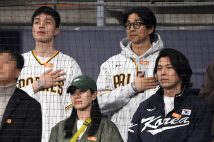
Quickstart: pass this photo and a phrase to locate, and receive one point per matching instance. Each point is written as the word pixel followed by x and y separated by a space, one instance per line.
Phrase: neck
pixel 44 49
pixel 140 48
pixel 7 89
pixel 6 84
pixel 83 115
pixel 172 92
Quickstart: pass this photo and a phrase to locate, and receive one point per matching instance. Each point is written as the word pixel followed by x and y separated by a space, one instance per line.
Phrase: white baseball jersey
pixel 53 100
pixel 116 96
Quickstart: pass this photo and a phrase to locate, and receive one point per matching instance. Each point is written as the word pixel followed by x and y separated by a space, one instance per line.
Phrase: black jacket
pixel 22 119
pixel 189 121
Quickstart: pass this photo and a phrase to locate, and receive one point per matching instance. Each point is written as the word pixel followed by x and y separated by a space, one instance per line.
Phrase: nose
pixel 41 24
pixel 76 95
pixel 132 27
pixel 163 71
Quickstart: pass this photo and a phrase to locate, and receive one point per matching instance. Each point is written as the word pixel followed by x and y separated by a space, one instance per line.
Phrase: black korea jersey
pixel 189 121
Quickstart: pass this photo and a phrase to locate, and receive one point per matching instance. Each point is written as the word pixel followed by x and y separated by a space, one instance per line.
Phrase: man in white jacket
pixel 127 79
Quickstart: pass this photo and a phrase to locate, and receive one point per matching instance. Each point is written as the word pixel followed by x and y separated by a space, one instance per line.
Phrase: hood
pixel 157 45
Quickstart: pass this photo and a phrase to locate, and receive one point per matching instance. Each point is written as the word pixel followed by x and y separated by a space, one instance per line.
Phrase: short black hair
pixel 16 56
pixel 49 11
pixel 147 17
pixel 179 62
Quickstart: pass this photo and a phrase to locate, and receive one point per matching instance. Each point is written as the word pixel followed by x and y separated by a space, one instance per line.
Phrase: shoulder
pixel 107 122
pixel 65 57
pixel 62 55
pixel 25 97
pixel 58 130
pixel 22 94
pixel 26 54
pixel 60 125
pixel 114 60
pixel 195 101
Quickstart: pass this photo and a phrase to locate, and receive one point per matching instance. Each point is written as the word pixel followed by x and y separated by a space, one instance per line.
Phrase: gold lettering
pixel 21 83
pixel 29 81
pixel 121 80
pixel 54 89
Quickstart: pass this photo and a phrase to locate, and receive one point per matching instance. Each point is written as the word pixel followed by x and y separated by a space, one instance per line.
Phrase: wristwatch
pixel 134 87
pixel 41 84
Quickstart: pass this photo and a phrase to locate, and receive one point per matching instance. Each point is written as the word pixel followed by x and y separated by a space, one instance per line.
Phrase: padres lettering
pixel 55 89
pixel 121 80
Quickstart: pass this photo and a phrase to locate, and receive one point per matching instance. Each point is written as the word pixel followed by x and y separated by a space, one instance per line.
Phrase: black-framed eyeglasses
pixel 136 25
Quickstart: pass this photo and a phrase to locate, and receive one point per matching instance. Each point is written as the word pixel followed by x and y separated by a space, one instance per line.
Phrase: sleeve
pixel 133 131
pixel 73 71
pixel 32 130
pixel 111 99
pixel 76 70
pixel 110 133
pixel 207 90
pixel 201 127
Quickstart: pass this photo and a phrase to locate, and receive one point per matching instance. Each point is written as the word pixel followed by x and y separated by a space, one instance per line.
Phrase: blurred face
pixel 166 74
pixel 44 28
pixel 82 100
pixel 137 33
pixel 8 70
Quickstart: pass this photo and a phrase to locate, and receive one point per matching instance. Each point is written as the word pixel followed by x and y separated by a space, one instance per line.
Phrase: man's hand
pixel 48 79
pixel 144 83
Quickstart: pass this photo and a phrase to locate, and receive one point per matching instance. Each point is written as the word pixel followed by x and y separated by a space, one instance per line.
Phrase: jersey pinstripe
pixel 53 100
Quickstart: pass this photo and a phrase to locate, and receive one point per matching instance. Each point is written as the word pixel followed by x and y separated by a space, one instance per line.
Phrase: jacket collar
pixel 157 100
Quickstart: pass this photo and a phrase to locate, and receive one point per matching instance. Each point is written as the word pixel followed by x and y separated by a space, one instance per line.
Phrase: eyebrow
pixel 45 19
pixel 165 65
pixel 135 20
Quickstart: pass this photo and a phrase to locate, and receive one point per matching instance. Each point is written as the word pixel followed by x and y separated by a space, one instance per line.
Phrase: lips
pixel 40 32
pixel 164 80
pixel 133 35
pixel 77 102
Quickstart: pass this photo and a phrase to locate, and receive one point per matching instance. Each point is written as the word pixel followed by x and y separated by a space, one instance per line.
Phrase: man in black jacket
pixel 20 115
pixel 174 113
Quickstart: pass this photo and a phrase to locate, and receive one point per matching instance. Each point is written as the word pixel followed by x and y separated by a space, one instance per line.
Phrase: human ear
pixel 94 95
pixel 17 72
pixel 150 29
pixel 57 31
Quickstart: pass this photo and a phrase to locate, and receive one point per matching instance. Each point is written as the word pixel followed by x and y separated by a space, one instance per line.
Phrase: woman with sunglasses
pixel 86 123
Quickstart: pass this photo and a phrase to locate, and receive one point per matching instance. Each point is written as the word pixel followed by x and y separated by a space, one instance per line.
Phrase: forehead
pixel 44 16
pixel 133 17
pixel 164 61
pixel 5 55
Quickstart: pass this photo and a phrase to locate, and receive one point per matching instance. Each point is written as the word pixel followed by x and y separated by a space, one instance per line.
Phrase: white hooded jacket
pixel 116 96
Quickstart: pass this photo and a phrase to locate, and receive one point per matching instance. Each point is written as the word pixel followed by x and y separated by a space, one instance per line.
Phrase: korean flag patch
pixel 186 112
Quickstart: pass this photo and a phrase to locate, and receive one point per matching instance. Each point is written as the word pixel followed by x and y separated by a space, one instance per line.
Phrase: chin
pixel 79 106
pixel 135 41
pixel 44 40
pixel 166 85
